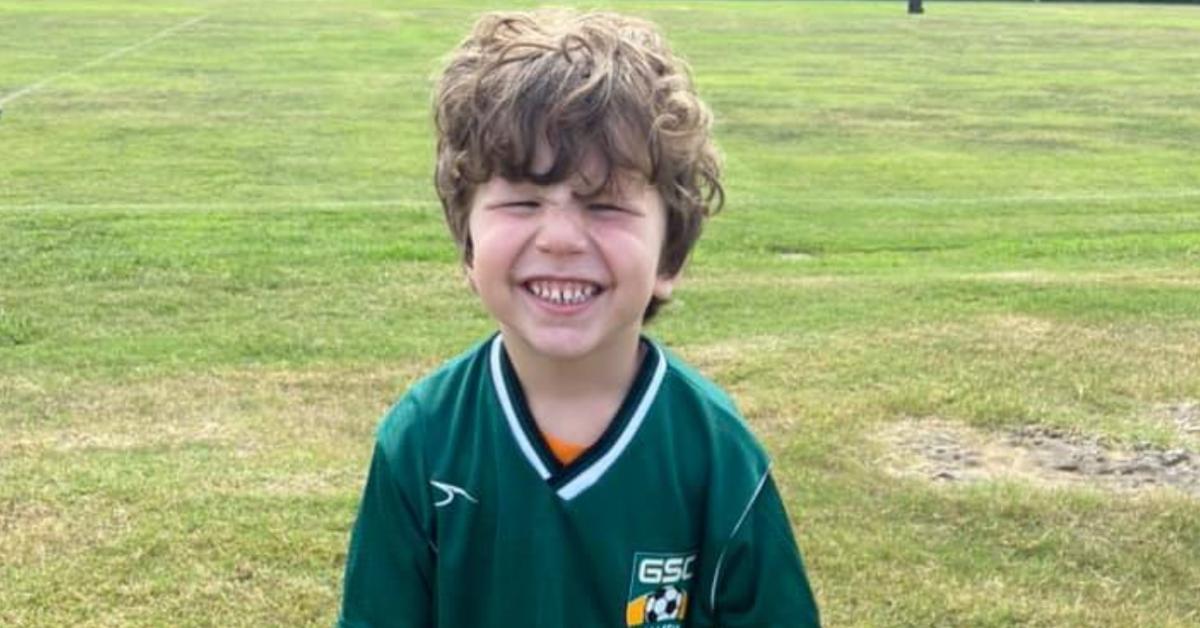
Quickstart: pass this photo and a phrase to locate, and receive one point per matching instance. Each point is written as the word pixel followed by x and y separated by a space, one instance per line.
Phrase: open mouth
pixel 559 292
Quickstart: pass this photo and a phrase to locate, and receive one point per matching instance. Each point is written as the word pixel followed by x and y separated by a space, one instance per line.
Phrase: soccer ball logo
pixel 665 604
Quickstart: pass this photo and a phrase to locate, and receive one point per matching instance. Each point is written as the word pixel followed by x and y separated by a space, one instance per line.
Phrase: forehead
pixel 594 173
pixel 623 184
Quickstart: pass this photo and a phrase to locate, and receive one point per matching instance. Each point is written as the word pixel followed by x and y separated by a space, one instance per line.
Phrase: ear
pixel 664 285
pixel 469 275
pixel 467 256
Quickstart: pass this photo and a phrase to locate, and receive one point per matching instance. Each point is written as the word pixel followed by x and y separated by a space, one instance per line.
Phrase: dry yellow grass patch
pixel 766 376
pixel 1167 354
pixel 282 433
pixel 245 410
pixel 33 532
pixel 717 358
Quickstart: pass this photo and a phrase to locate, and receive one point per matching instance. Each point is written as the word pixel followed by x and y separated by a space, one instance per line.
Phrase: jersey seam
pixel 423 467
pixel 762 482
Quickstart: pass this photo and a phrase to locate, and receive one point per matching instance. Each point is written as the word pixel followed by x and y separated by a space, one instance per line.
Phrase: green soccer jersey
pixel 670 519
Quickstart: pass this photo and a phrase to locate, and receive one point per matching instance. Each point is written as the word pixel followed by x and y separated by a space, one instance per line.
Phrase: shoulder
pixel 691 382
pixel 700 406
pixel 432 402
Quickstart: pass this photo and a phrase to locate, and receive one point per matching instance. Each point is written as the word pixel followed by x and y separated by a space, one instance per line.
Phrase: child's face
pixel 565 276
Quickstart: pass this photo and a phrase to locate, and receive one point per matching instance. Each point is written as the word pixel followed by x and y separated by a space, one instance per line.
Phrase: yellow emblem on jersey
pixel 665 606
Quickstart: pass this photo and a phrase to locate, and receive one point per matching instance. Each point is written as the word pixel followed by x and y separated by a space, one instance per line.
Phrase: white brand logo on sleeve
pixel 450 490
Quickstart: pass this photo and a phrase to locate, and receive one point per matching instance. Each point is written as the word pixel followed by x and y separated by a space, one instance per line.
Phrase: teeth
pixel 559 292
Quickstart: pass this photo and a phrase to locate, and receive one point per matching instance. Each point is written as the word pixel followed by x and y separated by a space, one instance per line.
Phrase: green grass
pixel 221 259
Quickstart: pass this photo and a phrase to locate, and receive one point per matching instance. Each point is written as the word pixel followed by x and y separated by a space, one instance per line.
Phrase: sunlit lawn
pixel 221 259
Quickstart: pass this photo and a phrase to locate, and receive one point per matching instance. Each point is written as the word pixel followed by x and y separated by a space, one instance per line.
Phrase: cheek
pixel 496 244
pixel 640 228
pixel 491 243
pixel 477 234
pixel 633 249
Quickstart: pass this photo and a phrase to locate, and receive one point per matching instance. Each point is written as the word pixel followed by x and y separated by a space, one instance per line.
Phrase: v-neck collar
pixel 572 479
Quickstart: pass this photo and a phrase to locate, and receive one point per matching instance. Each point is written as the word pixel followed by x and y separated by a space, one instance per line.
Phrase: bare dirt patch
pixel 945 452
pixel 1184 416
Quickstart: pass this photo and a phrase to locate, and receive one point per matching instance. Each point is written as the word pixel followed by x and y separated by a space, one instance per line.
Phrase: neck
pixel 609 370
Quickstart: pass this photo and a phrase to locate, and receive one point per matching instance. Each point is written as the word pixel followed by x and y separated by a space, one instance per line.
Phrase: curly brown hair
pixel 577 82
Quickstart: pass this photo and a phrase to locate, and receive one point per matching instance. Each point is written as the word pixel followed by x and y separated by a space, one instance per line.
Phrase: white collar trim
pixel 510 415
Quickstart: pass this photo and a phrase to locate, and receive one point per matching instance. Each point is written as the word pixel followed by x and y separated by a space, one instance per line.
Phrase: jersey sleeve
pixel 759 579
pixel 390 577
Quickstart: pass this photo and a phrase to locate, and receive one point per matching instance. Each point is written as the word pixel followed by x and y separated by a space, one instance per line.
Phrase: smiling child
pixel 569 471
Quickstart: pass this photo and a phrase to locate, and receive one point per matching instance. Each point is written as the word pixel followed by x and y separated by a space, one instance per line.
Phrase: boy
pixel 567 471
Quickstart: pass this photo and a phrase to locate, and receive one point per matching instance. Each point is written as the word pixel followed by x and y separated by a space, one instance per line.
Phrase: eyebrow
pixel 611 192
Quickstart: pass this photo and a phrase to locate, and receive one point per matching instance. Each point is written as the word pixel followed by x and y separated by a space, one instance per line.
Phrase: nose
pixel 561 229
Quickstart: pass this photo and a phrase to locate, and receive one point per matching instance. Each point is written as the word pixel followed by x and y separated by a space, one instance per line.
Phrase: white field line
pixel 166 32
pixel 248 204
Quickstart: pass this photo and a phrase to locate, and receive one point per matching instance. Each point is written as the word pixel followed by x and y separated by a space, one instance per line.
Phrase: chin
pixel 558 346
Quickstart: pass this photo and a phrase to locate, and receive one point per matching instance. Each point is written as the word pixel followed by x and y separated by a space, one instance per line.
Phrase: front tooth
pixel 563 293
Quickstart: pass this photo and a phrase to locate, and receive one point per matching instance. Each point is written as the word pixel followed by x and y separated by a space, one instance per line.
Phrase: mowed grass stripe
pixel 893 201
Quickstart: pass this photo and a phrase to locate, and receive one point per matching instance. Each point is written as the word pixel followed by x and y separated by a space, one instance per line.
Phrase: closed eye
pixel 606 207
pixel 531 204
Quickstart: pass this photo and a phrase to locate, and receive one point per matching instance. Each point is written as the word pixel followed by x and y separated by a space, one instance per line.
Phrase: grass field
pixel 221 259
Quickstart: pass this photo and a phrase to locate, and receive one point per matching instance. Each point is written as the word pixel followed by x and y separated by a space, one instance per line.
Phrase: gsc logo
pixel 658 590
pixel 661 570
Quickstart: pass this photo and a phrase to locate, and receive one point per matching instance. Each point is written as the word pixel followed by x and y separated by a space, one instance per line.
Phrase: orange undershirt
pixel 565 452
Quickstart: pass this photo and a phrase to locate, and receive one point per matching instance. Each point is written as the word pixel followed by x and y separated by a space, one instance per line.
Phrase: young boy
pixel 568 471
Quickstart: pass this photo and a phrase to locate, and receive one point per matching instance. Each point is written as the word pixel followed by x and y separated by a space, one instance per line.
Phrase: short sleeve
pixel 390 564
pixel 760 578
